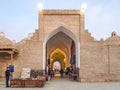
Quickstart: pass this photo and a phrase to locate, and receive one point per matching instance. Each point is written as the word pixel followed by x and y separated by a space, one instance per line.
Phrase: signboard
pixel 25 73
pixel 11 68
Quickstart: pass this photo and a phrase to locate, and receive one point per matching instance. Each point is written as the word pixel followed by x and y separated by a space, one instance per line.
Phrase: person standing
pixel 52 73
pixel 61 72
pixel 7 76
pixel 49 74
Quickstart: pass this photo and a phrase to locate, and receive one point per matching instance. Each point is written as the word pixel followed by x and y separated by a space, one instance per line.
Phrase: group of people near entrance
pixel 68 71
pixel 51 73
pixel 72 71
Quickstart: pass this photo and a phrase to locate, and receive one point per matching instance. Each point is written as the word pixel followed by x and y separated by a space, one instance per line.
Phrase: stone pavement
pixel 65 84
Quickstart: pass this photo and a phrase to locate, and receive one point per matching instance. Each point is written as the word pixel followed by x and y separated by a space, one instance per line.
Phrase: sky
pixel 18 18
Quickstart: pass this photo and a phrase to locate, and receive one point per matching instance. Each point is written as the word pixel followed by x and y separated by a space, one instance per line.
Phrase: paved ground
pixel 65 84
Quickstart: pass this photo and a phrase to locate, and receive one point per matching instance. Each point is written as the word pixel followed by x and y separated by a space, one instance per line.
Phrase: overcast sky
pixel 20 17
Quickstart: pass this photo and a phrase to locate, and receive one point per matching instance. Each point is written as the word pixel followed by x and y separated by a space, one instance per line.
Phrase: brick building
pixel 61 37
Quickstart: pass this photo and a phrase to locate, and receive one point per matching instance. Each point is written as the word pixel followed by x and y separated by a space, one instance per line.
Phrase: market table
pixel 26 82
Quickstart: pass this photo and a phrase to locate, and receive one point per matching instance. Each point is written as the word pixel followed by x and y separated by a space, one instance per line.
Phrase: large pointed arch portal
pixel 63 39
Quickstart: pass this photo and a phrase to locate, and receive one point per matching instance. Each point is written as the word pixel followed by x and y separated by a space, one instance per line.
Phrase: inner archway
pixel 56 66
pixel 60 56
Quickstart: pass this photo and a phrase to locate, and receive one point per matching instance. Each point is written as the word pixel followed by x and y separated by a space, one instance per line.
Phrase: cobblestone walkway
pixel 65 84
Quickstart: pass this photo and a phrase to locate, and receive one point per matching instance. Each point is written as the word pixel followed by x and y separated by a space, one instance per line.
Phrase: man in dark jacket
pixel 7 76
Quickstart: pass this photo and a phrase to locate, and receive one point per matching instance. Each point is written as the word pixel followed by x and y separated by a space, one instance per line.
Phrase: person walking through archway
pixel 61 72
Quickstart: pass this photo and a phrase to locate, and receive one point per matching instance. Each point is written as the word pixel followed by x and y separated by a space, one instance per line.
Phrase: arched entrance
pixel 66 43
